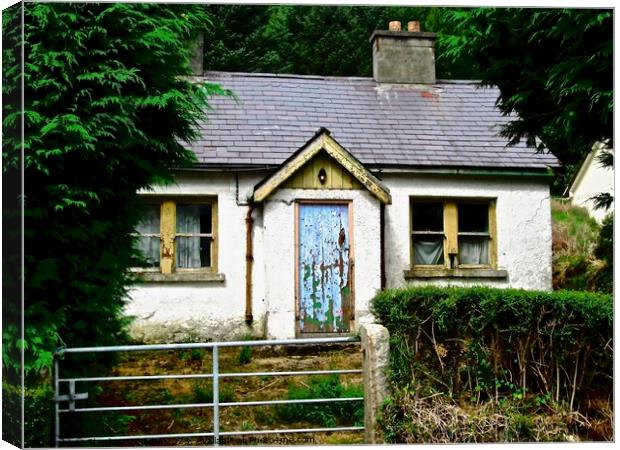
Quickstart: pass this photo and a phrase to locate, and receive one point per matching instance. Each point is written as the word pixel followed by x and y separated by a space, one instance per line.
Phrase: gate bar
pixel 210 405
pixel 147 347
pixel 208 375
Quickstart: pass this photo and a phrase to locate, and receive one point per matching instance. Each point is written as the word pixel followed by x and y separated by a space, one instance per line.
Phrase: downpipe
pixel 249 262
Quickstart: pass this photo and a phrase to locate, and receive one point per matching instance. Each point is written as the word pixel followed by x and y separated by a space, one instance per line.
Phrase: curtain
pixel 428 251
pixel 473 250
pixel 149 245
pixel 188 248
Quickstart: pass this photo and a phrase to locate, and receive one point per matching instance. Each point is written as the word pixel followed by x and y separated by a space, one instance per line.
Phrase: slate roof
pixel 453 124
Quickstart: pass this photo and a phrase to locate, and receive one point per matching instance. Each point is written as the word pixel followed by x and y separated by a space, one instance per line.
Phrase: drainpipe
pixel 249 260
pixel 382 242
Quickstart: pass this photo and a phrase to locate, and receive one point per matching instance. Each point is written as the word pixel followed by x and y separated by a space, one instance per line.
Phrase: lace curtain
pixel 428 251
pixel 473 251
pixel 149 245
pixel 188 248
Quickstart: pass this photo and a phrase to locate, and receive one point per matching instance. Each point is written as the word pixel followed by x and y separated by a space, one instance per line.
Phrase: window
pixel 453 234
pixel 178 235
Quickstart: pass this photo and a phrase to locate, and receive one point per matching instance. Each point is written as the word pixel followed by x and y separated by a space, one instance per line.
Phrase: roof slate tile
pixel 449 123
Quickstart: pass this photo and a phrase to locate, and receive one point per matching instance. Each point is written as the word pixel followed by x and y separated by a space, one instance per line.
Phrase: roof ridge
pixel 223 73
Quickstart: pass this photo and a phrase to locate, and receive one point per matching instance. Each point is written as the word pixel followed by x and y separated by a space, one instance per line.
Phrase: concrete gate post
pixel 375 347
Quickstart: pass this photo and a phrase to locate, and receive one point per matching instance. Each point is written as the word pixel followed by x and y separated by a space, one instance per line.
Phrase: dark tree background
pixel 554 67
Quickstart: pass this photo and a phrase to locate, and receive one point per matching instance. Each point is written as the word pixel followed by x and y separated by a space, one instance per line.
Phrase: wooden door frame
pixel 349 204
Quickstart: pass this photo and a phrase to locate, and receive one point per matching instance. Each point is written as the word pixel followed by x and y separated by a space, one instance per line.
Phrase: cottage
pixel 312 193
pixel 591 179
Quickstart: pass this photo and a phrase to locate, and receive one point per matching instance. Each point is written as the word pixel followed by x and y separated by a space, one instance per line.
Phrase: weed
pixel 194 354
pixel 326 414
pixel 245 353
pixel 203 393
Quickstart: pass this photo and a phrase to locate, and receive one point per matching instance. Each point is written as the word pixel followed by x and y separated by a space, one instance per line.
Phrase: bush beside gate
pixel 484 345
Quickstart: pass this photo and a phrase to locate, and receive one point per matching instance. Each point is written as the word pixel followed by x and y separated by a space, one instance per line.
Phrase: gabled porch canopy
pixel 322 141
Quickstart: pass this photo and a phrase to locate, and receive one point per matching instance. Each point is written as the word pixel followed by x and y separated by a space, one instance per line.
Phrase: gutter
pixel 543 173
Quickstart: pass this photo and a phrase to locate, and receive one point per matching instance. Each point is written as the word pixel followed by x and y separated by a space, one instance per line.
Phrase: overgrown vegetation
pixel 582 249
pixel 106 109
pixel 410 419
pixel 324 414
pixel 475 346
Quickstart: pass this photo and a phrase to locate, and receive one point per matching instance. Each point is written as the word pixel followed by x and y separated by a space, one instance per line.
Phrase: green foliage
pixel 489 344
pixel 311 40
pixel 324 414
pixel 38 415
pixel 106 110
pixel 554 68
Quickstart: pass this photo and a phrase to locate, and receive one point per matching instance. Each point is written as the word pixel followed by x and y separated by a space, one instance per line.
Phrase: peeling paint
pixel 324 269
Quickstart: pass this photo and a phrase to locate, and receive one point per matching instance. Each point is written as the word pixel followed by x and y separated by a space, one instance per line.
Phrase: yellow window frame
pixel 450 230
pixel 168 233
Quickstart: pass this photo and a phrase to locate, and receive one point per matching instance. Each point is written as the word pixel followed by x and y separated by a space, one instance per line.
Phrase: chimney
pixel 403 56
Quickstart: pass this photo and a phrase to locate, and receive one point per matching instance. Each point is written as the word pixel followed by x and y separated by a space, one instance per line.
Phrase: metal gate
pixel 67 398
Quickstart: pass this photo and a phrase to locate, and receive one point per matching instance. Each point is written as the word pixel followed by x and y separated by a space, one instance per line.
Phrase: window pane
pixel 149 246
pixel 473 217
pixel 428 250
pixel 150 220
pixel 194 219
pixel 193 252
pixel 473 250
pixel 427 216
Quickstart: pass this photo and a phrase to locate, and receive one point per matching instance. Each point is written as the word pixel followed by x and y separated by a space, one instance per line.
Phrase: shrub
pixel 325 414
pixel 38 415
pixel 492 344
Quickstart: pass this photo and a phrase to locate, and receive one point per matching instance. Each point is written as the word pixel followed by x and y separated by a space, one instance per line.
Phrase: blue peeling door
pixel 324 268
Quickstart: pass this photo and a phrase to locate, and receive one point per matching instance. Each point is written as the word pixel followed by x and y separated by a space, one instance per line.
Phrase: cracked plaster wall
pixel 523 226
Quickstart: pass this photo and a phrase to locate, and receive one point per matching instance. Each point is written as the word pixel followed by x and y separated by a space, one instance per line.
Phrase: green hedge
pixel 38 415
pixel 483 343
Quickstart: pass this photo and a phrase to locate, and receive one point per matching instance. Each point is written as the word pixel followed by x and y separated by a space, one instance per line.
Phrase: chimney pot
pixel 413 26
pixel 394 25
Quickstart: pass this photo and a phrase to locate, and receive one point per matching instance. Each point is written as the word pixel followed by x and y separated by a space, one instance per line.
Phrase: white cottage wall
pixel 280 264
pixel 175 312
pixel 523 226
